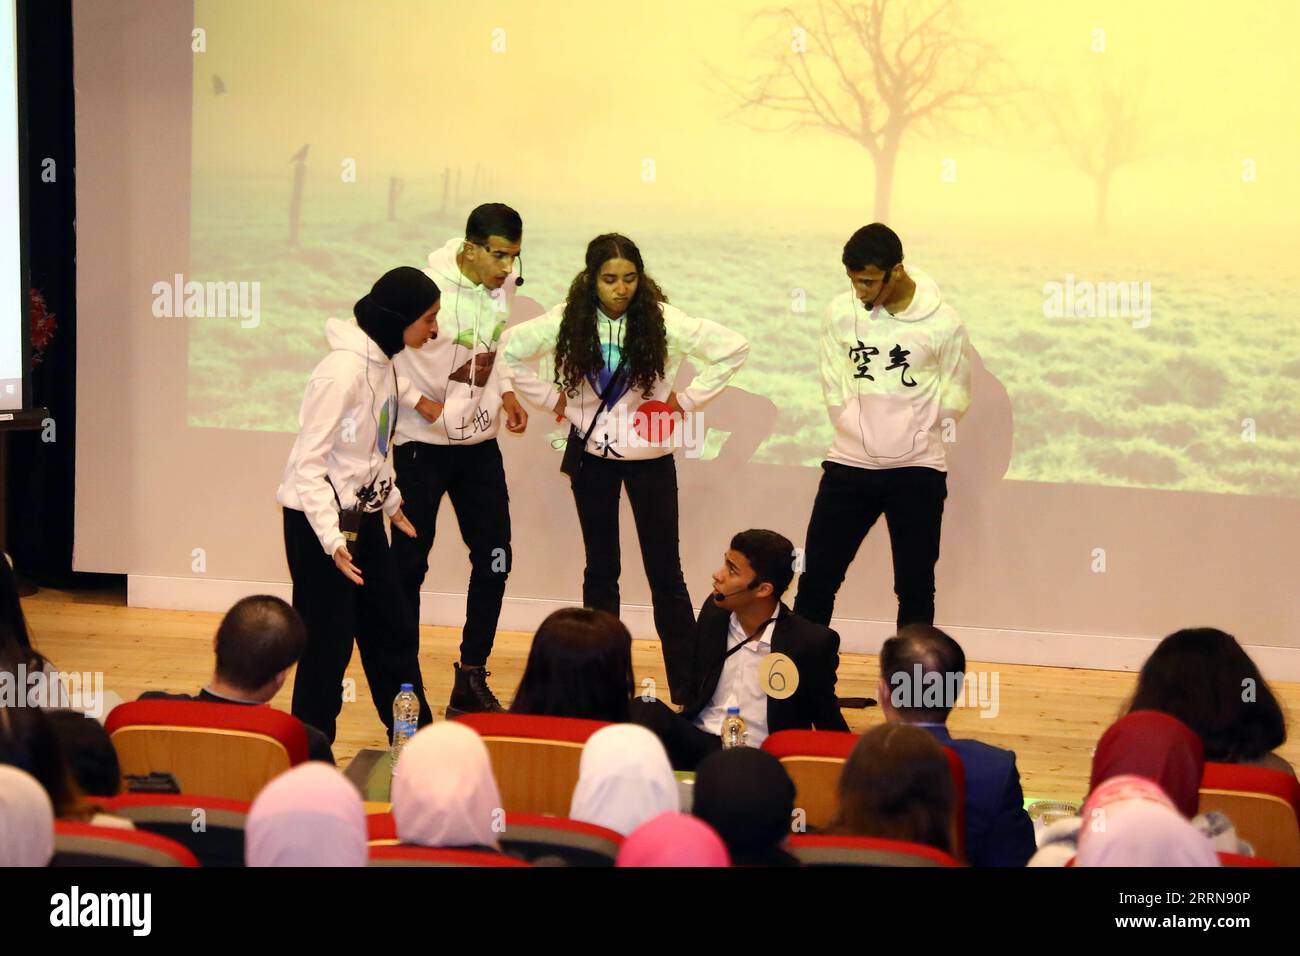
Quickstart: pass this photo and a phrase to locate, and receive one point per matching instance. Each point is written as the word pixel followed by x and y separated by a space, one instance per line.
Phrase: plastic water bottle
pixel 733 729
pixel 406 717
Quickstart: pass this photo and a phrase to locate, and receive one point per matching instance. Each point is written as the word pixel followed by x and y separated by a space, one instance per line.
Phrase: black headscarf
pixel 400 297
pixel 746 795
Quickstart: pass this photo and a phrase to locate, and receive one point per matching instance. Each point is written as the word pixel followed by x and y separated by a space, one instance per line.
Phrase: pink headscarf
pixel 307 816
pixel 444 794
pixel 673 839
pixel 26 820
pixel 1129 821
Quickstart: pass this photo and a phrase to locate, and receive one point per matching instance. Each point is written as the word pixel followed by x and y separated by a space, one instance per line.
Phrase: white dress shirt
pixel 738 685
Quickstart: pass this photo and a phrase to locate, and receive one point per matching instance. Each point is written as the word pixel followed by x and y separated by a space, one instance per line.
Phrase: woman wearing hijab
pixel 612 351
pixel 673 839
pixel 26 820
pixel 1151 746
pixel 444 794
pixel 308 816
pixel 624 779
pixel 1130 821
pixel 1160 748
pixel 337 488
pixel 748 798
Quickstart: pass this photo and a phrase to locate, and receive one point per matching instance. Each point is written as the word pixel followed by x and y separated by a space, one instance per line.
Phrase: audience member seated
pixel 1132 822
pixel 26 820
pixel 308 816
pixel 88 751
pixel 746 796
pixel 673 839
pixel 258 643
pixel 1155 747
pixel 1205 678
pixel 580 665
pixel 28 742
pixel 444 794
pixel 624 779
pixel 742 622
pixel 998 830
pixel 897 785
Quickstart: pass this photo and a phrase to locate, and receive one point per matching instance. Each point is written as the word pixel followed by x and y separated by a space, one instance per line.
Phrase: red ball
pixel 654 421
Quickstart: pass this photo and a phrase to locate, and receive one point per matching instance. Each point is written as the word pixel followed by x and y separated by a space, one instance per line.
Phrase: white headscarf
pixel 1142 832
pixel 26 820
pixel 624 779
pixel 307 816
pixel 444 794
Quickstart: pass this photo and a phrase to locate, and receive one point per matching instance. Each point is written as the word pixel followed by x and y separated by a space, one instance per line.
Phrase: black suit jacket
pixel 814 649
pixel 318 745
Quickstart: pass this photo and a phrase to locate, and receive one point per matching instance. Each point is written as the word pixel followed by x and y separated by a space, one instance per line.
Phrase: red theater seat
pixel 1263 805
pixel 1236 859
pixel 534 759
pixel 403 855
pixel 81 844
pixel 219 841
pixel 530 837
pixel 813 850
pixel 219 750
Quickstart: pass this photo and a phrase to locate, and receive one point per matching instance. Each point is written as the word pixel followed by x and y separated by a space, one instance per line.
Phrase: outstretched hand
pixel 343 561
pixel 403 523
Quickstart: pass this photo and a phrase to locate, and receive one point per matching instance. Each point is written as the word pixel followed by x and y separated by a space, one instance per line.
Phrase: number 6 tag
pixel 778 678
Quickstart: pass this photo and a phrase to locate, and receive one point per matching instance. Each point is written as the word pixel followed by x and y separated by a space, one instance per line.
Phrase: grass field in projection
pixel 1096 400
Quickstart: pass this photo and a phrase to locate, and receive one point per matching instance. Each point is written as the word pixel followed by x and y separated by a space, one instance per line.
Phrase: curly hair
pixel 645 343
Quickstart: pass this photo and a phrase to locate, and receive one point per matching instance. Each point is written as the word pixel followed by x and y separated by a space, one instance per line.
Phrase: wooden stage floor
pixel 1050 716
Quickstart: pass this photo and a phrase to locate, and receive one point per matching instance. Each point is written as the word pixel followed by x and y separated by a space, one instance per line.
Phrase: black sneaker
pixel 471 694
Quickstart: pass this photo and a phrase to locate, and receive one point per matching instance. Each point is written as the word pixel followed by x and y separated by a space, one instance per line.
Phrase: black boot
pixel 471 695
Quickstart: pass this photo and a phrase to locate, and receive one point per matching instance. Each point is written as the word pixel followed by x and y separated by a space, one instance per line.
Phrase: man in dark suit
pixel 258 643
pixel 922 671
pixel 750 651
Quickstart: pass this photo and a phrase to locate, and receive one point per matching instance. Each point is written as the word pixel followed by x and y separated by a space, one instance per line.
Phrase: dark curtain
pixel 39 497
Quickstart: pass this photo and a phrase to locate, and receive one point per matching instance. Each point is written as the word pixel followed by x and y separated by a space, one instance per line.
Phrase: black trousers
pixel 686 744
pixel 652 492
pixel 335 611
pixel 474 477
pixel 849 500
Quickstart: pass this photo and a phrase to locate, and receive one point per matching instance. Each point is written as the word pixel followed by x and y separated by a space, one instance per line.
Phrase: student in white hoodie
pixel 337 488
pixel 896 375
pixel 451 447
pixel 611 351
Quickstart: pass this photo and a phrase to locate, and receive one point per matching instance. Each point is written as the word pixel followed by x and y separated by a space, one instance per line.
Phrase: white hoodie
pixel 459 368
pixel 898 378
pixel 718 351
pixel 344 433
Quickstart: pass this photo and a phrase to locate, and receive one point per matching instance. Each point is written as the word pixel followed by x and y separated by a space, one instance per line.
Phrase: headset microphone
pixel 519 279
pixel 719 598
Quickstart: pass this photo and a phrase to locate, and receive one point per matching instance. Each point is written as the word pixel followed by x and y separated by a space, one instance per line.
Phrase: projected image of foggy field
pixel 1195 386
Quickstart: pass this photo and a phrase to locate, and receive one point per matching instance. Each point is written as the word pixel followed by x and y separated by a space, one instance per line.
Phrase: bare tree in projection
pixel 1100 126
pixel 872 71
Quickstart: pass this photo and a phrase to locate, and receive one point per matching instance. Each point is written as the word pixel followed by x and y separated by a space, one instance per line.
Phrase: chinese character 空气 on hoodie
pixel 897 378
